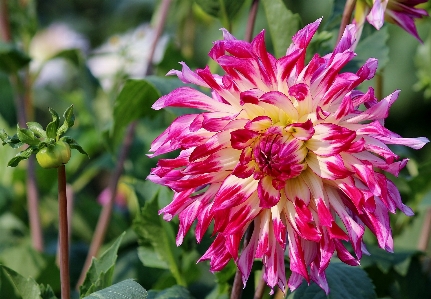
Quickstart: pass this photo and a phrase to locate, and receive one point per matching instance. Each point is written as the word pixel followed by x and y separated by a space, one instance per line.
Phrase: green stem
pixel 63 234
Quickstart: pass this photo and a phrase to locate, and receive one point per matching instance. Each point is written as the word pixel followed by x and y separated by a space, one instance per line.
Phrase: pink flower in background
pixel 400 12
pixel 281 148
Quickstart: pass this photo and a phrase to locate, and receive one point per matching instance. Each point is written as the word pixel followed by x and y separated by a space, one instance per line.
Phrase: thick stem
pixel 379 85
pixel 63 234
pixel 258 294
pixel 347 16
pixel 251 20
pixel 33 206
pixel 425 233
pixel 21 92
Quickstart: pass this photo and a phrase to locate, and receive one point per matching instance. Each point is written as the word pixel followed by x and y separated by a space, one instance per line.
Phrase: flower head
pixel 283 149
pixel 400 12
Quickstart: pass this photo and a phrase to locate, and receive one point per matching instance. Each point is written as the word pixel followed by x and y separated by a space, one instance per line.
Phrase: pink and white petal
pixel 267 61
pixel 215 143
pixel 303 37
pixel 330 139
pixel 242 215
pixel 242 138
pixel 301 223
pixel 190 98
pixel 233 192
pixel 297 189
pixel 268 194
pixel 245 261
pixel 319 277
pixel 301 131
pixel 250 96
pixel 344 255
pixel 224 159
pixel 187 217
pixel 379 111
pixel 186 75
pixel 259 124
pixel 296 254
pixel 330 168
pixel 354 229
pixel 376 16
pixel 263 247
pixel 274 272
pixel 347 40
pixel 395 196
pixel 218 254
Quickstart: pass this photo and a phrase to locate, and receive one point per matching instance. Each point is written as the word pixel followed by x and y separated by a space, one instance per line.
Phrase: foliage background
pixel 190 31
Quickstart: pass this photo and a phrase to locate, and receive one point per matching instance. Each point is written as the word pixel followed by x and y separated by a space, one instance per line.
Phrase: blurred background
pixel 83 51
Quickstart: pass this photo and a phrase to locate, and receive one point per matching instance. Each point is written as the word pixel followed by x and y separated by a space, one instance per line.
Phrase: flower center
pixel 277 155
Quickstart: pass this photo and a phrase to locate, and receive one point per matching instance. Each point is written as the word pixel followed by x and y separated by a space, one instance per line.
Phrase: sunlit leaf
pixel 152 228
pixel 27 136
pixel 99 276
pixel 175 292
pixel 133 102
pixel 27 287
pixel 283 24
pixel 127 289
pixel 345 282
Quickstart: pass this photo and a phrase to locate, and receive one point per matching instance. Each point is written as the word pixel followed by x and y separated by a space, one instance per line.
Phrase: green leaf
pixel 385 261
pixel 23 155
pixel 175 292
pixel 27 136
pixel 150 227
pixel 99 276
pixel 13 141
pixel 37 129
pixel 27 287
pixel 223 9
pixel 12 59
pixel 69 121
pixel 374 45
pixel 283 24
pixel 149 258
pixel 73 144
pixel 51 128
pixel 127 289
pixel 423 64
pixel 345 282
pixel 47 292
pixel 133 102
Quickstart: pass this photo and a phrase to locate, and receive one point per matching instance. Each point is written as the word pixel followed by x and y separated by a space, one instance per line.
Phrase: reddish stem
pixel 63 234
pixel 251 20
pixel 258 294
pixel 425 233
pixel 21 91
pixel 346 18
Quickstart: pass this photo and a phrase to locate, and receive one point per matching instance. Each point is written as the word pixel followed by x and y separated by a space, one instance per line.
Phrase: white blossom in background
pixel 48 43
pixel 125 55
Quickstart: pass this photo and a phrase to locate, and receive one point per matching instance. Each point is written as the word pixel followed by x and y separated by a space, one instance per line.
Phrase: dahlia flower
pixel 282 149
pixel 400 12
